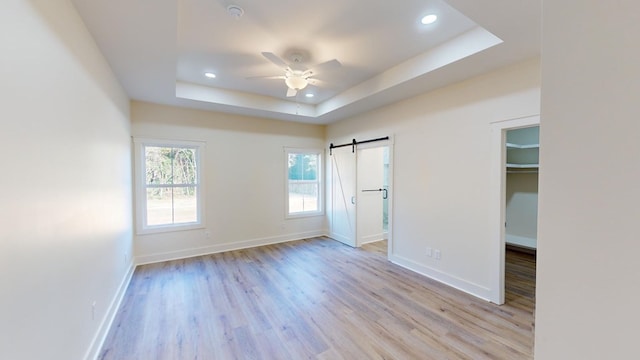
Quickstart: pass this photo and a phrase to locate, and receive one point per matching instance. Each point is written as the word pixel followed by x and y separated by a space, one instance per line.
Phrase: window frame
pixel 141 187
pixel 319 181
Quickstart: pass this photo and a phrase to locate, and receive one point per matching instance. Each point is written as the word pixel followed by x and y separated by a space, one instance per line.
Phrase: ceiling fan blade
pixel 276 77
pixel 291 92
pixel 275 59
pixel 323 67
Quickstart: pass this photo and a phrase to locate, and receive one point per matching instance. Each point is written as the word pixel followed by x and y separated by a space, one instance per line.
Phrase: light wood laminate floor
pixel 314 299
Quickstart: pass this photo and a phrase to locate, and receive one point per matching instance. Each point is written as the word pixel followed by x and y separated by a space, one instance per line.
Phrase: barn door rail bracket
pixel 354 143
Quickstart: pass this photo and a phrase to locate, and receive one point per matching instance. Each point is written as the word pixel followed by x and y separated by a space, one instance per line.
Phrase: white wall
pixel 522 209
pixel 244 170
pixel 588 287
pixel 65 204
pixel 442 170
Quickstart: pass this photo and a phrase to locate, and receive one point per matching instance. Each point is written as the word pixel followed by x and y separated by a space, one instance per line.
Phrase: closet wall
pixel 522 187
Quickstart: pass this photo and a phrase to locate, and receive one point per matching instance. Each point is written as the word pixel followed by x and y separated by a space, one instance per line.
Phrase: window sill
pixel 304 215
pixel 169 229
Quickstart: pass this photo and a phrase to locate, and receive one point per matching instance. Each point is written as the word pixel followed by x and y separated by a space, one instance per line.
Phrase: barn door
pixel 343 196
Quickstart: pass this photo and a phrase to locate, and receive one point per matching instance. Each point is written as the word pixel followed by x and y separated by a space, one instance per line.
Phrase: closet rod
pixel 353 144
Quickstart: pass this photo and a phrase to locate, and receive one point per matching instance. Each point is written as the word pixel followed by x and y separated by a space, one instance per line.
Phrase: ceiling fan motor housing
pixel 297 76
pixel 296 81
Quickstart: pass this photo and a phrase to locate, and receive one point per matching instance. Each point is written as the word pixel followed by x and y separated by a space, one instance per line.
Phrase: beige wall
pixel 244 170
pixel 442 170
pixel 65 204
pixel 588 270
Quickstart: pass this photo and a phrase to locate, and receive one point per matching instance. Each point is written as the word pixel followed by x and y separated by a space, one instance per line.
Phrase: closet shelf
pixel 527 146
pixel 522 166
pixel 522 171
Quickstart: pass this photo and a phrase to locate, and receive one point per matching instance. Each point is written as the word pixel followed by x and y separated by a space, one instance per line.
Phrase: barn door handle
pixel 385 193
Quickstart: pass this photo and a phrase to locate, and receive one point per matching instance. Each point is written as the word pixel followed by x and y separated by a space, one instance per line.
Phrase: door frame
pixel 497 206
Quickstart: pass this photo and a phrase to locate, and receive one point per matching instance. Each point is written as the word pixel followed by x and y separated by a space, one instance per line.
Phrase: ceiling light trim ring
pixel 235 11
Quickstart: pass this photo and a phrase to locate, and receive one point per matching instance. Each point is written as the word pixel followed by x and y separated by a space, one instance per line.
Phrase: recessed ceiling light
pixel 235 11
pixel 309 95
pixel 429 19
pixel 210 75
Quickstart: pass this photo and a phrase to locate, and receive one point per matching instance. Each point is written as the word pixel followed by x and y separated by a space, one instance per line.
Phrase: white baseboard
pixel 449 280
pixel 520 241
pixel 341 238
pixel 218 248
pixel 107 320
pixel 372 238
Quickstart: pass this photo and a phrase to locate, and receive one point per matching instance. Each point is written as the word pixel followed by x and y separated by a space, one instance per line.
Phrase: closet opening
pixel 521 203
pixel 522 147
pixel 513 209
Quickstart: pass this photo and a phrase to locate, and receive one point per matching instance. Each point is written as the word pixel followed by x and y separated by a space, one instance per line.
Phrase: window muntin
pixel 304 186
pixel 169 191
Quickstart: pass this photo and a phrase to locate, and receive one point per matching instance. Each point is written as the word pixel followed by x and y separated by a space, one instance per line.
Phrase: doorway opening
pixel 513 209
pixel 360 195
pixel 521 215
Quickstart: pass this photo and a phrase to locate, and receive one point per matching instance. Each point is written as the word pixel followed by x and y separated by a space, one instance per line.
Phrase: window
pixel 304 185
pixel 169 187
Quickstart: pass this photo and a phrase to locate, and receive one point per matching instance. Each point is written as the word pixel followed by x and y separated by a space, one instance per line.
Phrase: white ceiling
pixel 160 50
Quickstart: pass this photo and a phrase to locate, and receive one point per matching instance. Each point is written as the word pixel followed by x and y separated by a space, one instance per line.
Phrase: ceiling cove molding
pixel 467 44
pixel 471 42
pixel 189 91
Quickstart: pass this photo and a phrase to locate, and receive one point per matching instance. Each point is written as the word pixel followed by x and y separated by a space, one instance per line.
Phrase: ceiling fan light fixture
pixel 296 82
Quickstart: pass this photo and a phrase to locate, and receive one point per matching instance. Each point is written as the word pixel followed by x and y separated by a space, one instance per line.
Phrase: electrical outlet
pixel 93 310
pixel 429 252
pixel 437 254
pixel 207 234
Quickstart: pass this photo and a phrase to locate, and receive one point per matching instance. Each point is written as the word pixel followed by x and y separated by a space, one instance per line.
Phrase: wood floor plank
pixel 316 299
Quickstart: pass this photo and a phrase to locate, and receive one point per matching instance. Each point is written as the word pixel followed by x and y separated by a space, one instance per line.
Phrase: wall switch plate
pixel 437 255
pixel 429 252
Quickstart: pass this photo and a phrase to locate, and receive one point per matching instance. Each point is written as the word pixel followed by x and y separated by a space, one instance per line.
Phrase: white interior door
pixel 343 196
pixel 370 194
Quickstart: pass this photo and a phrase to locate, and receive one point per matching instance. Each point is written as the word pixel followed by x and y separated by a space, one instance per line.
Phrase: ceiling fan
pixel 296 75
